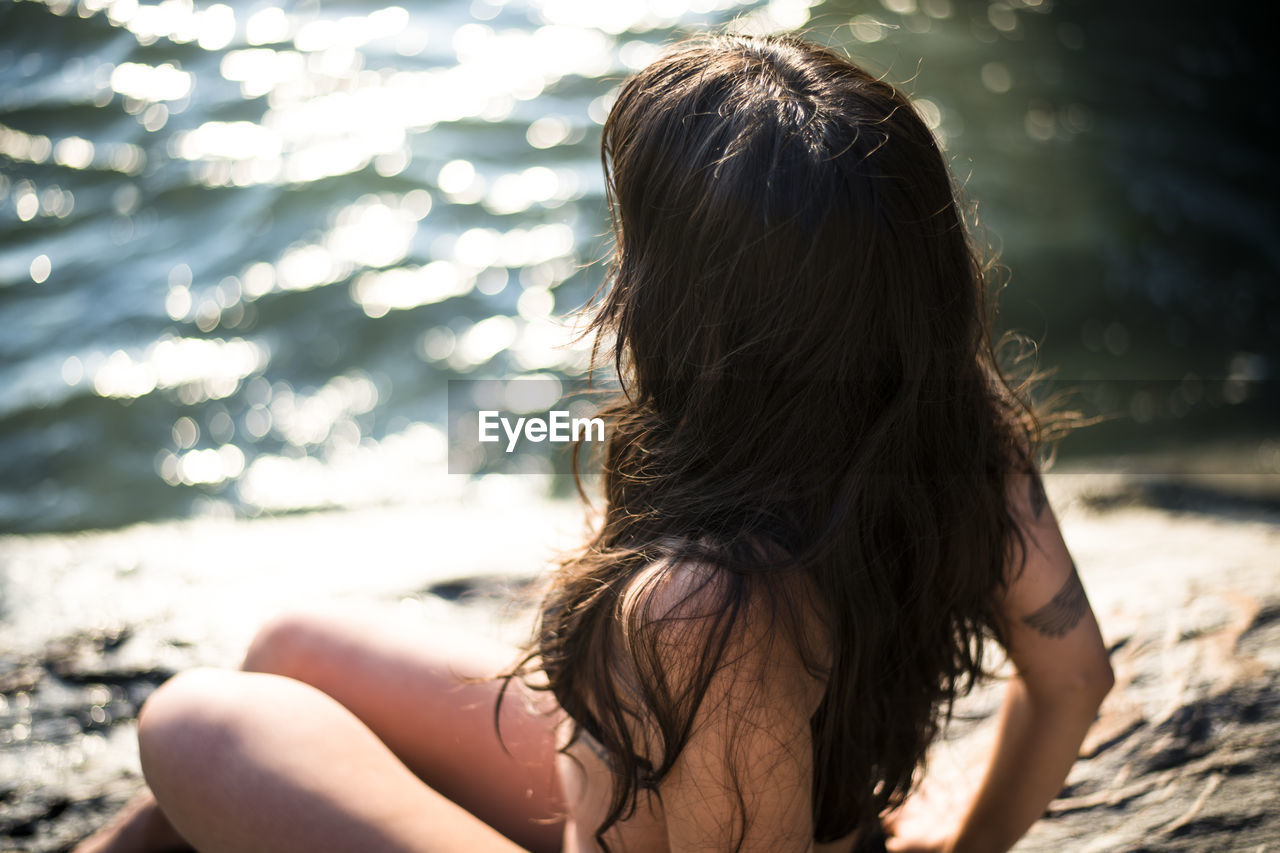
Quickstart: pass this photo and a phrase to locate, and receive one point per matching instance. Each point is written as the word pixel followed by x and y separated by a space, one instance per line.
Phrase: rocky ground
pixel 1185 755
pixel 1185 580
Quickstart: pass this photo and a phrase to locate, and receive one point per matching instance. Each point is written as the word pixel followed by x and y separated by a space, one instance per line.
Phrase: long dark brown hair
pixel 811 412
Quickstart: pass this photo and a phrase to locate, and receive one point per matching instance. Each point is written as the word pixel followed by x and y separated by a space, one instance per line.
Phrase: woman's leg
pixel 399 681
pixel 405 683
pixel 139 827
pixel 248 761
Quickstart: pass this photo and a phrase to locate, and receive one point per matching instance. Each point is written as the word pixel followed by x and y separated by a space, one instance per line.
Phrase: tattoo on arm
pixel 1064 612
pixel 1038 498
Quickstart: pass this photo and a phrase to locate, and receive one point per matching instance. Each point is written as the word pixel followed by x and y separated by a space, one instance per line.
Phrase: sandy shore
pixel 1185 581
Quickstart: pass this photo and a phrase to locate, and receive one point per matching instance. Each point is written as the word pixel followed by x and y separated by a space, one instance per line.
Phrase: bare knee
pixel 187 719
pixel 290 644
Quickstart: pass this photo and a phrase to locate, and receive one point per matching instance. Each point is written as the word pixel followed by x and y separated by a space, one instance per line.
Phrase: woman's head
pixel 793 294
pixel 780 213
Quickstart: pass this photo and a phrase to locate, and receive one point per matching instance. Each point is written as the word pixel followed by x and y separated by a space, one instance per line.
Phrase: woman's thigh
pixel 248 761
pixel 406 684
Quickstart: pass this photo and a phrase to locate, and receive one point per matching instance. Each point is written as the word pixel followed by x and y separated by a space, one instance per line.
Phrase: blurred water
pixel 244 246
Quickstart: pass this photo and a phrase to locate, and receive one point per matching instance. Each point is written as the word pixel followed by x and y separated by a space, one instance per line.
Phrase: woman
pixel 820 506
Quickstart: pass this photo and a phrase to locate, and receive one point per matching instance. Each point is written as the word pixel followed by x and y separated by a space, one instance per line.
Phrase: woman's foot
pixel 140 827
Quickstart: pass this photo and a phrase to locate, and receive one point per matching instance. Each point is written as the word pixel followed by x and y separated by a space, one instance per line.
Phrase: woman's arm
pixel 1062 675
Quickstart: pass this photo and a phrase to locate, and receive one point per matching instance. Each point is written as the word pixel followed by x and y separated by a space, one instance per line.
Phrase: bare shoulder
pixel 726 640
pixel 754 627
